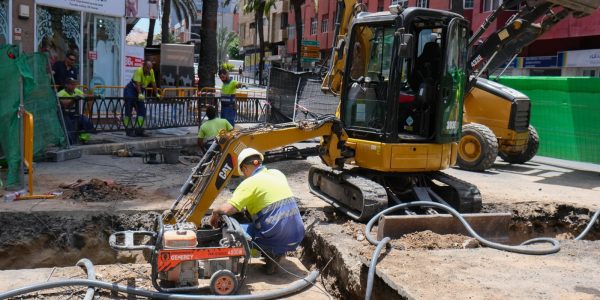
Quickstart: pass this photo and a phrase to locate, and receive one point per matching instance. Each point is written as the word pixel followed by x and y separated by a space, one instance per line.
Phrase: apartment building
pixel 571 48
pixel 275 32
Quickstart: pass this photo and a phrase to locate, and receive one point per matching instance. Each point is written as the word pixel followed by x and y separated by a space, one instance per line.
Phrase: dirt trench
pixel 60 239
pixel 336 245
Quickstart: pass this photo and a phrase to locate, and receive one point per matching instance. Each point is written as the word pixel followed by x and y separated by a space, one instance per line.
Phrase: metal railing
pixel 107 113
pixel 250 80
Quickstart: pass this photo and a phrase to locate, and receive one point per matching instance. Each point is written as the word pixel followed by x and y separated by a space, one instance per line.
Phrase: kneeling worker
pixel 276 223
pixel 211 128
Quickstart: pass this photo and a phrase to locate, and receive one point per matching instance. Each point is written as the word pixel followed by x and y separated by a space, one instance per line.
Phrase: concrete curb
pixel 138 145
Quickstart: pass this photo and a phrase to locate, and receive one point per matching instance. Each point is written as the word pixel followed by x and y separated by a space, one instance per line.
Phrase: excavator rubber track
pixel 461 195
pixel 361 194
pixel 358 197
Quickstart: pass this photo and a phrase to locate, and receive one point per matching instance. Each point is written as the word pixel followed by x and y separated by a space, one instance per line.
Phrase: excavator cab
pixel 406 77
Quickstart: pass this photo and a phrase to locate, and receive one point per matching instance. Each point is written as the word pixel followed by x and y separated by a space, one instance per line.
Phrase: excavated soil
pixel 98 190
pixel 36 240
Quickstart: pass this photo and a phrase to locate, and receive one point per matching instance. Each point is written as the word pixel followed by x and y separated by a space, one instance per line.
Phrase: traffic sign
pixel 310 43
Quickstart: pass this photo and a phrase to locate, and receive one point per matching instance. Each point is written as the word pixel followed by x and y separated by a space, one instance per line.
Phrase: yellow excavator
pixel 496 118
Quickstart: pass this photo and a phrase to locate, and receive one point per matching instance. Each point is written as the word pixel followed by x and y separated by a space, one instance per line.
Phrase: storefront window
pixel 102 48
pixel 4 30
pixel 58 32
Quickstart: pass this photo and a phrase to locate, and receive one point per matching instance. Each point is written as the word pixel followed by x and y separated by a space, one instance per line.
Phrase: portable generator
pixel 182 256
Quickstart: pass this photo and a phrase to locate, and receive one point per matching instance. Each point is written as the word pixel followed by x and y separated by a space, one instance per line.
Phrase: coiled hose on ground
pixel 517 249
pixel 294 288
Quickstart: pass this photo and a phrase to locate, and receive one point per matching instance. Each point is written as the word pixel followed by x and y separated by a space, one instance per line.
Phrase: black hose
pixel 91 273
pixel 517 249
pixel 589 226
pixel 294 288
pixel 372 266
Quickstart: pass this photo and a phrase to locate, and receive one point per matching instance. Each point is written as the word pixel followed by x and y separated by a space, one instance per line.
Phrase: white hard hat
pixel 245 154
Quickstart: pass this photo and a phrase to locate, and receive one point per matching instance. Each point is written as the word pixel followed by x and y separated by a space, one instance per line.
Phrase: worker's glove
pixel 158 95
pixel 141 97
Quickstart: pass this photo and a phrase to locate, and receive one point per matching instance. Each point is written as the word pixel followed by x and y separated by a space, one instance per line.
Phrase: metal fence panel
pixel 296 96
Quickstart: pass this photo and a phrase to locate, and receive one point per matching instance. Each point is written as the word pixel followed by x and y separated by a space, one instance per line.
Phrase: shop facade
pixel 5 24
pixel 92 30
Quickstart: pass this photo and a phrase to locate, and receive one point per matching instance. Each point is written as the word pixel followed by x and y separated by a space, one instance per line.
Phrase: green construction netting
pixel 39 99
pixel 564 110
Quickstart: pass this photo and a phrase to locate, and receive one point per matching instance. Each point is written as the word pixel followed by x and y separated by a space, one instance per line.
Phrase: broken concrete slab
pixel 485 273
pixel 480 273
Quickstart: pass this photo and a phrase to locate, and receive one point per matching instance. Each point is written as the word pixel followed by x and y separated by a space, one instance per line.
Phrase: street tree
pixel 260 8
pixel 207 66
pixel 224 39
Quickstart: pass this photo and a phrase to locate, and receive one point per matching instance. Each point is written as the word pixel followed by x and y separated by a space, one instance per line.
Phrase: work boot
pixel 271 266
pixel 140 132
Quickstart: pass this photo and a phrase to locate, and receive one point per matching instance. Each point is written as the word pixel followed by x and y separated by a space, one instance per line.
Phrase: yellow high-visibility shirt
pixel 211 128
pixel 229 88
pixel 65 94
pixel 144 80
pixel 260 190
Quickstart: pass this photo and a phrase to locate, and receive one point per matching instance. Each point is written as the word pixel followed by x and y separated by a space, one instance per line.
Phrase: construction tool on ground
pixel 183 254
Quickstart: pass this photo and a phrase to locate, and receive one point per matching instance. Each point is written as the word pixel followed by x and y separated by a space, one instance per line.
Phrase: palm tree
pixel 166 18
pixel 207 66
pixel 224 39
pixel 260 8
pixel 297 4
pixel 150 37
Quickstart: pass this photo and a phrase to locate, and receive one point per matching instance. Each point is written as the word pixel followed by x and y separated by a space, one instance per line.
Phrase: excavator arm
pixel 346 11
pixel 217 166
pixel 532 19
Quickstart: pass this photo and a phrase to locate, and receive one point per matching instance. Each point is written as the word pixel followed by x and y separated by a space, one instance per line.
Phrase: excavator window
pixel 369 76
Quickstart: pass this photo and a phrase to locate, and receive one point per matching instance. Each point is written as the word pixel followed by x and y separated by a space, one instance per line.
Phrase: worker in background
pixel 276 223
pixel 211 128
pixel 135 96
pixel 78 126
pixel 228 90
pixel 65 69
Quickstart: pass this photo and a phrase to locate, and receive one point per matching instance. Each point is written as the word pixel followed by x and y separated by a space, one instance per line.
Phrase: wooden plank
pixel 492 226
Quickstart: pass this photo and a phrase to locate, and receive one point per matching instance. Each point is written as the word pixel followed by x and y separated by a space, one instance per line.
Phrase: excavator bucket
pixel 581 7
pixel 491 226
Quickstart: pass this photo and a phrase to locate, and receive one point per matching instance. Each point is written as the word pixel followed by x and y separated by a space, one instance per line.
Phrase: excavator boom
pixel 217 166
pixel 532 19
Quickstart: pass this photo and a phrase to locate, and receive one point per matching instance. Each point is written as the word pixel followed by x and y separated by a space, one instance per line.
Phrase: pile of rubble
pixel 97 190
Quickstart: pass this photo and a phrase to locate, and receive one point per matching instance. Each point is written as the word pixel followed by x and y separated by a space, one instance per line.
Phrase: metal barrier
pixel 106 113
pixel 241 93
pixel 179 92
pixel 107 90
pixel 250 80
pixel 116 90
